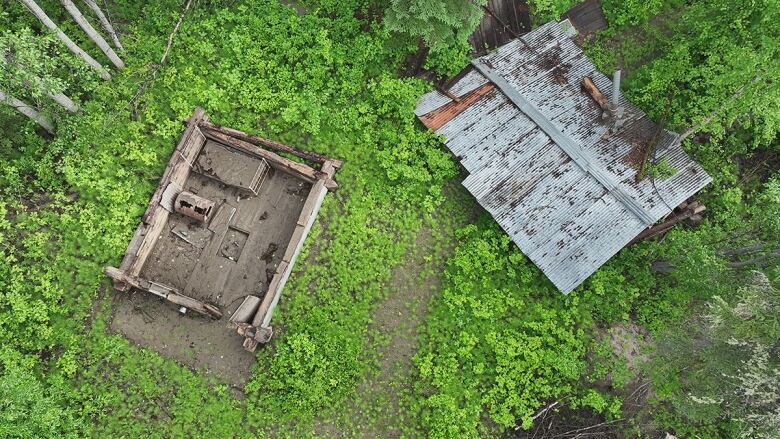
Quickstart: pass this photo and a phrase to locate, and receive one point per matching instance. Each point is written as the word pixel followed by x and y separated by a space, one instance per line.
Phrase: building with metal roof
pixel 556 174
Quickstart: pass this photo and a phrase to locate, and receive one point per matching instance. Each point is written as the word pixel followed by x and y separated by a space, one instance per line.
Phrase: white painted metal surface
pixel 546 165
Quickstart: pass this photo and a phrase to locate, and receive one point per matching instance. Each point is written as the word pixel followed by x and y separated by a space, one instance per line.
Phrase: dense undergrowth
pixel 313 80
pixel 498 342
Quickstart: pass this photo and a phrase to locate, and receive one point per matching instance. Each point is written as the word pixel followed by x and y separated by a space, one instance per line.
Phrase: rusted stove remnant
pixel 193 206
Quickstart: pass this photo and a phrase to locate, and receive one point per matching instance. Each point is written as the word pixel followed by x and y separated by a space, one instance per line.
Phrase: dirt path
pixel 378 409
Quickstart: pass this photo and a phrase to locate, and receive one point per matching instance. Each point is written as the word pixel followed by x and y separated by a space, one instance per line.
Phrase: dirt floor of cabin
pixel 234 255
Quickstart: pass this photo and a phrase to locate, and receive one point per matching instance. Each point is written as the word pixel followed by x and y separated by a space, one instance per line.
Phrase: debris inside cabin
pixel 221 235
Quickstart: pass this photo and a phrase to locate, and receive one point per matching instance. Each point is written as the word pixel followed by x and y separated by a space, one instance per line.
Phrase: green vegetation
pixel 497 342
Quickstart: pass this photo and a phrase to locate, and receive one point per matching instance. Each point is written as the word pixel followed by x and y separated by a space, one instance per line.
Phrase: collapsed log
pixel 105 23
pixel 166 292
pixel 28 111
pixel 689 211
pixel 41 15
pixel 589 86
pixel 259 141
pixel 78 17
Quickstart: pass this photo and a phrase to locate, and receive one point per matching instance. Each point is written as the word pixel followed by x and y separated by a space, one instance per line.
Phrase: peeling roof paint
pixel 544 162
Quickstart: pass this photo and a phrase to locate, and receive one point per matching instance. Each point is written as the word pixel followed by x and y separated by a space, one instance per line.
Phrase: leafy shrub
pixel 27 409
pixel 630 12
pixel 500 341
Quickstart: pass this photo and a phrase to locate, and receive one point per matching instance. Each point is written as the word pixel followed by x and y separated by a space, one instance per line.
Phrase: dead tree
pixel 41 15
pixel 105 23
pixel 27 110
pixel 65 101
pixel 92 33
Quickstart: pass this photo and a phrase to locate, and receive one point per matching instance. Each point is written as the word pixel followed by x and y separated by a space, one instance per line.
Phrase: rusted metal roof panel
pixel 557 177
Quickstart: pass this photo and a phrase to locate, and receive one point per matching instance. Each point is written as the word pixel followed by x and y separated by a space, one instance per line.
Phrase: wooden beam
pixel 589 86
pixel 166 292
pixel 259 141
pixel 155 217
pixel 690 211
pixel 185 149
pixel 304 171
pixel 262 319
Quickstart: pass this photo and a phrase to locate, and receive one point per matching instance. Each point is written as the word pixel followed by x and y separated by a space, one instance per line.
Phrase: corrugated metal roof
pixel 545 163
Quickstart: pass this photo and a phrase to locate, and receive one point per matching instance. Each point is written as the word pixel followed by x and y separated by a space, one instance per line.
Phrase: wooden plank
pixel 437 118
pixel 187 144
pixel 246 310
pixel 574 151
pixel 166 292
pixel 259 141
pixel 263 316
pixel 303 171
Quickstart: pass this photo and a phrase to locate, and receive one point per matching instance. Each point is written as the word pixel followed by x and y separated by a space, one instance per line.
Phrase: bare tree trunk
pixel 65 101
pixel 38 12
pixel 27 110
pixel 105 23
pixel 93 35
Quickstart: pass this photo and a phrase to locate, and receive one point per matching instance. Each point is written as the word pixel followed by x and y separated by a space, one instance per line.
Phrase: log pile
pixel 685 211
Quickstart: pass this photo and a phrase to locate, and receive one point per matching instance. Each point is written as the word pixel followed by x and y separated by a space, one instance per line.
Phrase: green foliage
pixel 661 170
pixel 546 10
pixel 630 12
pixel 717 61
pixel 724 368
pixel 440 23
pixel 311 79
pixel 27 409
pixel 500 341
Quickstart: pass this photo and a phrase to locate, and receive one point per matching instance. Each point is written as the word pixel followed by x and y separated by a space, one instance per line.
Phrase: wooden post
pixel 589 86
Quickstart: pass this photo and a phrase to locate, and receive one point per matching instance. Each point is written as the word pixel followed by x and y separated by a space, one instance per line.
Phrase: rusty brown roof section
pixel 437 118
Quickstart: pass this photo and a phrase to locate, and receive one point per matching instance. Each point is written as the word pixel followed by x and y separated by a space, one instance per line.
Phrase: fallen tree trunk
pixel 65 101
pixel 105 23
pixel 28 111
pixel 92 33
pixel 41 15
